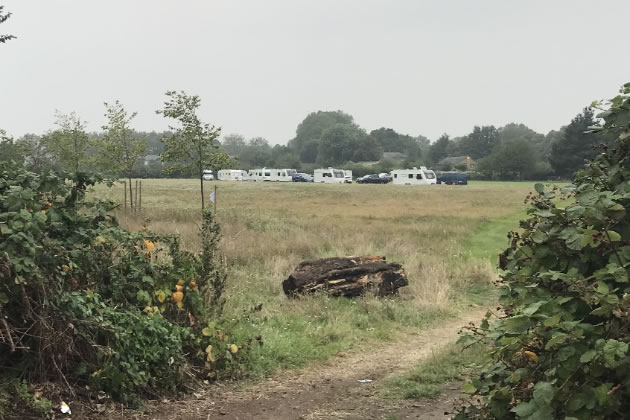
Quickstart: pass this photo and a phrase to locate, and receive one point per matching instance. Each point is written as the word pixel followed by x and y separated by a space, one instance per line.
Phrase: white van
pixel 207 175
pixel 230 175
pixel 263 174
pixel 330 176
pixel 415 176
pixel 282 175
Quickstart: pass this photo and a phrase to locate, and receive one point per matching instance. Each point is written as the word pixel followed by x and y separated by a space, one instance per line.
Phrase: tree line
pixel 323 138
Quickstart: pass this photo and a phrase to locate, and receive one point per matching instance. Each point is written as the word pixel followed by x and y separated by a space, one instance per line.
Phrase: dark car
pixel 452 178
pixel 372 179
pixel 301 177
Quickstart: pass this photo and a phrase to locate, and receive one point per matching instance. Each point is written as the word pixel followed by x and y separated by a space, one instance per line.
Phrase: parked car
pixel 208 175
pixel 452 178
pixel 302 177
pixel 372 179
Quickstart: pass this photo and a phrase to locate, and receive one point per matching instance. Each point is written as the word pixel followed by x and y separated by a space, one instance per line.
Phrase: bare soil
pixel 328 391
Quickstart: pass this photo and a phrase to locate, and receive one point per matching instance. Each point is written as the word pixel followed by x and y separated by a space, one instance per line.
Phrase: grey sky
pixel 420 67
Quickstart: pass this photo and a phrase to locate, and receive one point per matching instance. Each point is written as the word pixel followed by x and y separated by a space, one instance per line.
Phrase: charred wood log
pixel 347 276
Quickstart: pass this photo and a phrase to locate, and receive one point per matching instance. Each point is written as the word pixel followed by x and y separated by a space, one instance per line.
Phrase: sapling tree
pixel 193 145
pixel 3 18
pixel 120 148
pixel 69 143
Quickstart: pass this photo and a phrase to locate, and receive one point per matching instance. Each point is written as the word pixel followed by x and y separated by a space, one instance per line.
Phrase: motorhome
pixel 208 175
pixel 415 176
pixel 330 176
pixel 231 175
pixel 263 174
pixel 282 175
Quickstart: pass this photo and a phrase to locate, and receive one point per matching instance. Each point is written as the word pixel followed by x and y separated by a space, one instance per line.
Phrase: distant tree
pixel 338 144
pixel 391 141
pixel 192 146
pixel 440 149
pixel 10 150
pixel 37 158
pixel 257 153
pixel 69 143
pixel 366 149
pixel 309 151
pixel 312 128
pixel 3 18
pixel 479 143
pixel 510 160
pixel 120 148
pixel 570 152
pixel 233 144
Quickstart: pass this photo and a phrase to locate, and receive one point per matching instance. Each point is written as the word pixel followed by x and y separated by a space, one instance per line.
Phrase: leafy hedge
pixel 560 348
pixel 85 302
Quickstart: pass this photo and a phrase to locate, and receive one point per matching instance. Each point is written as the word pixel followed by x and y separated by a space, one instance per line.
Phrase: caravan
pixel 231 175
pixel 415 176
pixel 263 174
pixel 282 175
pixel 330 176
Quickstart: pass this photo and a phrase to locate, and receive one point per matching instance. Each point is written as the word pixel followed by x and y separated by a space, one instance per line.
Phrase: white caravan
pixel 348 176
pixel 231 175
pixel 415 176
pixel 330 176
pixel 263 174
pixel 282 175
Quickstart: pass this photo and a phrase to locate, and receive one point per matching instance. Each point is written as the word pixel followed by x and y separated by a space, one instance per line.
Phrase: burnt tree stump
pixel 346 276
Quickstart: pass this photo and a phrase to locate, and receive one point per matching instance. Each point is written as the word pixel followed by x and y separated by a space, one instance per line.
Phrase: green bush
pixel 561 349
pixel 84 301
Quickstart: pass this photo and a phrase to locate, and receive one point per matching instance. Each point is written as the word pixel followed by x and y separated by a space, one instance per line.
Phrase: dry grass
pixel 269 228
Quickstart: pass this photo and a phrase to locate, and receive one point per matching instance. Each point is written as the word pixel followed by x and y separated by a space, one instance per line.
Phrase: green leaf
pixel 469 388
pixel 543 393
pixel 613 236
pixel 540 188
pixel 4 299
pixel 588 356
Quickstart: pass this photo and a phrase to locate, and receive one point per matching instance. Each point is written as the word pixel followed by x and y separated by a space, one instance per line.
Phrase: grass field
pixel 444 237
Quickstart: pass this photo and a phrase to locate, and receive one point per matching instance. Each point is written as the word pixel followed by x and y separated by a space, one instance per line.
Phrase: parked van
pixel 329 176
pixel 282 175
pixel 452 178
pixel 231 175
pixel 208 175
pixel 263 174
pixel 415 176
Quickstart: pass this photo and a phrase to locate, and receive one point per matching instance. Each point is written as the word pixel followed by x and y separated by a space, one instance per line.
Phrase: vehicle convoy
pixel 372 179
pixel 330 176
pixel 452 178
pixel 207 175
pixel 231 175
pixel 302 177
pixel 415 176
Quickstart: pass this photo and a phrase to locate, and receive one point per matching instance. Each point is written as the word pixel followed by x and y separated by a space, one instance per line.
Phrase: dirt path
pixel 332 390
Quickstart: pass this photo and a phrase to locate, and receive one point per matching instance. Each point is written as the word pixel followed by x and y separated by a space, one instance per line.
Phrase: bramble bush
pixel 86 303
pixel 560 348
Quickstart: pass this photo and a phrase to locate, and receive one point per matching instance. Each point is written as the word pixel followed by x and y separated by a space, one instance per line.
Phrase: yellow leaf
pixel 149 245
pixel 533 357
pixel 161 296
pixel 233 348
pixel 206 332
pixel 180 305
pixel 209 349
pixel 180 283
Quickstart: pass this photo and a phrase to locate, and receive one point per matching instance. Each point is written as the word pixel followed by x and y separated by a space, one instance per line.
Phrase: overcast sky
pixel 418 66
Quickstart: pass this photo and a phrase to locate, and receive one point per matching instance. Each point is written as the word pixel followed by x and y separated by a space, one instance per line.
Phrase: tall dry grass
pixel 268 228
